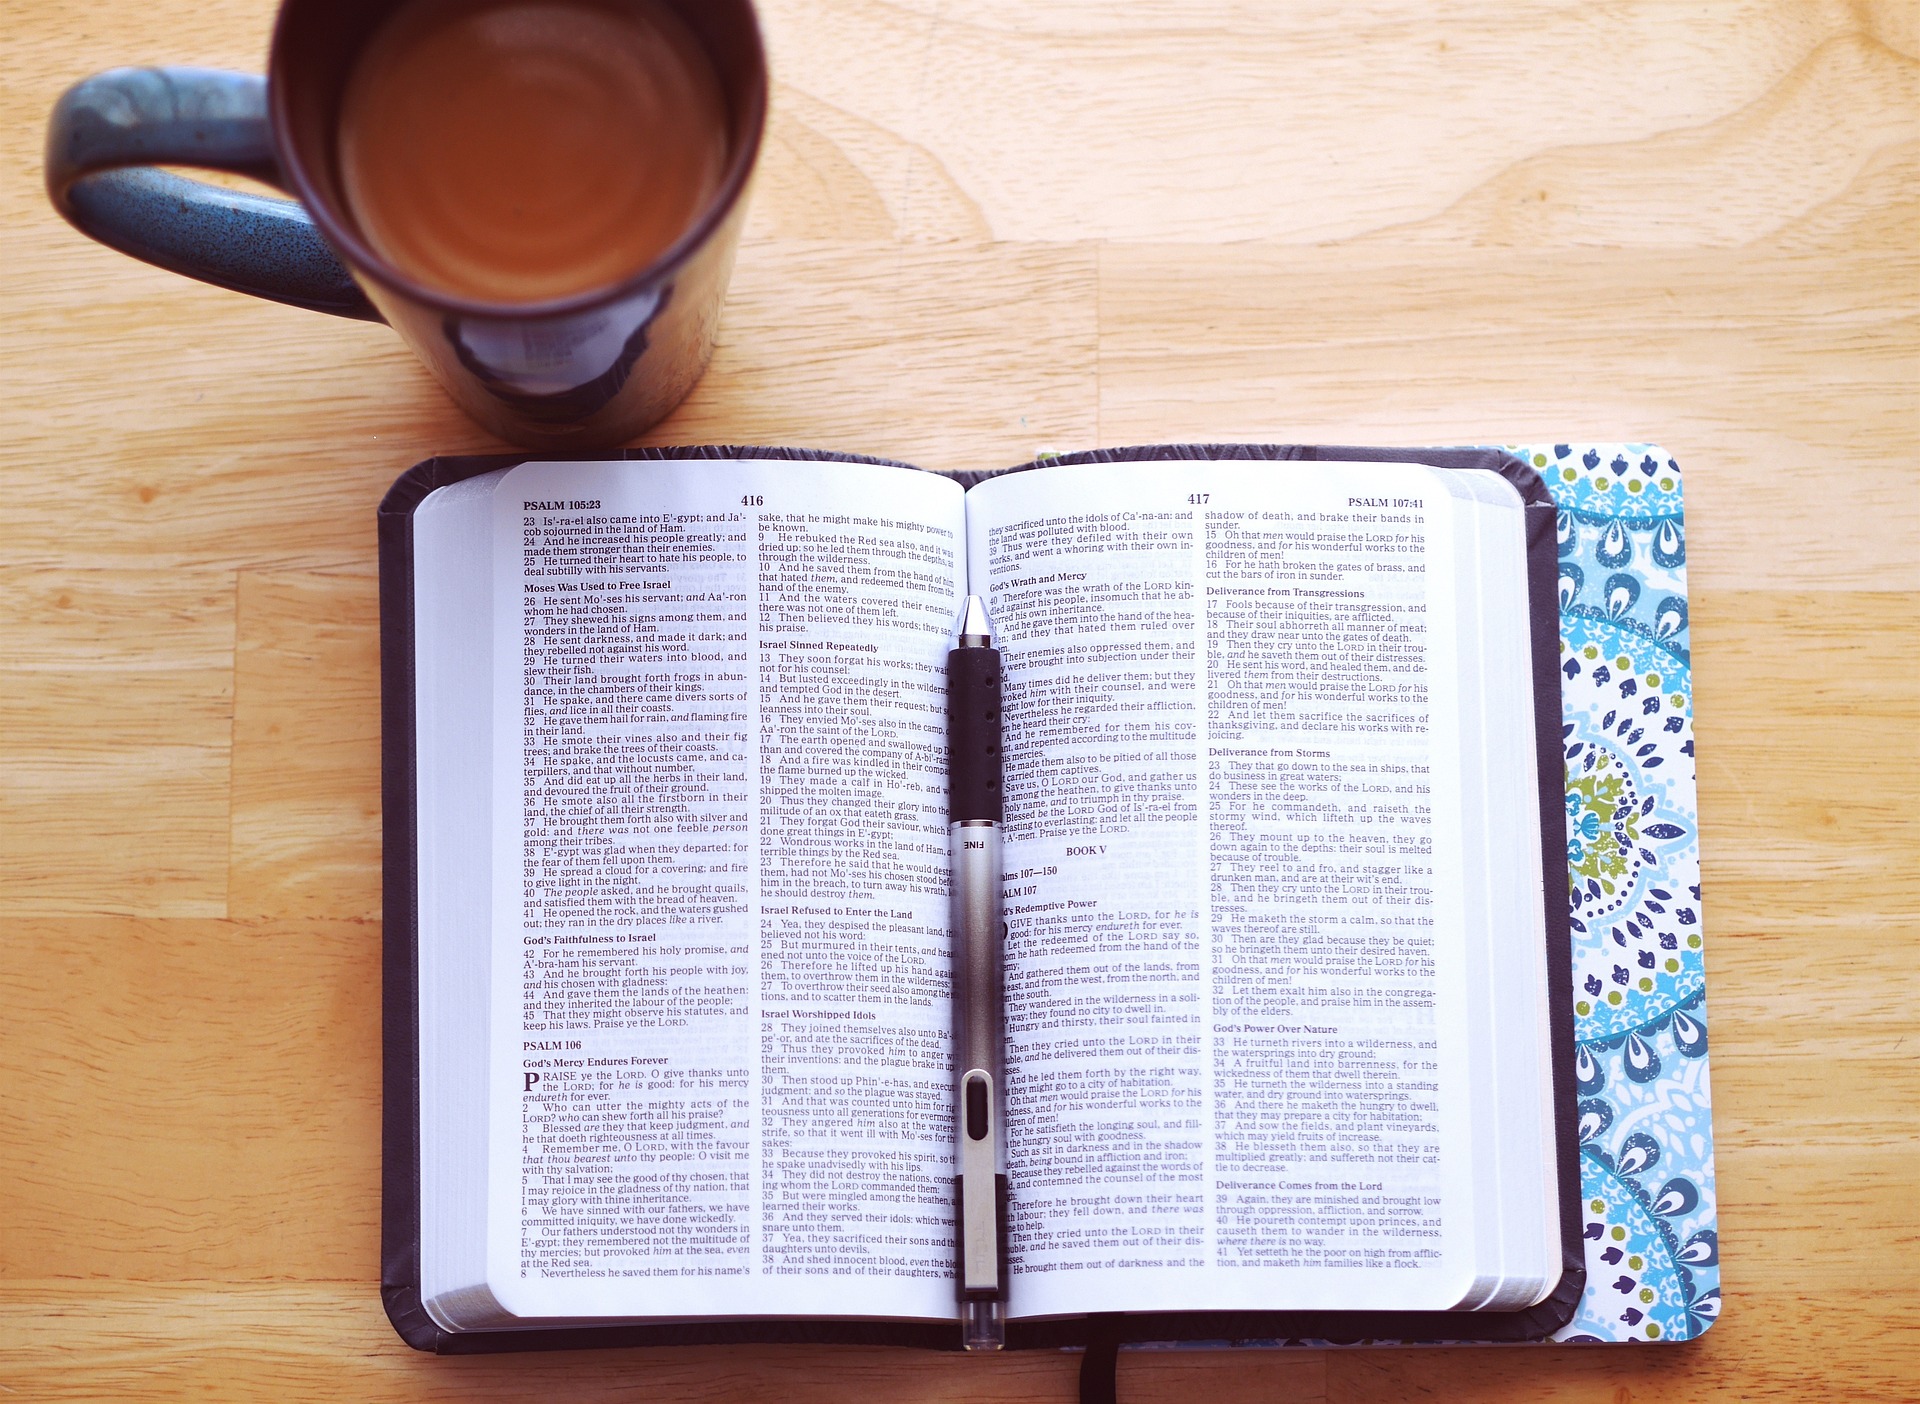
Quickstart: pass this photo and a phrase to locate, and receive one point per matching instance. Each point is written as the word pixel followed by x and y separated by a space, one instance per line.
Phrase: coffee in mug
pixel 524 150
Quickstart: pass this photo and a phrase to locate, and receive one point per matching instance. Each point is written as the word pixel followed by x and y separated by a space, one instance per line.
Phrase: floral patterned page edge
pixel 1633 866
pixel 1633 870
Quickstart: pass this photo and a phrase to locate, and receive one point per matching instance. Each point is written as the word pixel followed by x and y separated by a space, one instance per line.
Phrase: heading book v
pixel 1290 1027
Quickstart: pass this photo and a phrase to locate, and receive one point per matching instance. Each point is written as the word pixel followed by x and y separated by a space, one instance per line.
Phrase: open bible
pixel 1286 953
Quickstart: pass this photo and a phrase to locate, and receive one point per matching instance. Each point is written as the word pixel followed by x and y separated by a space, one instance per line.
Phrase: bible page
pixel 1236 1035
pixel 719 1077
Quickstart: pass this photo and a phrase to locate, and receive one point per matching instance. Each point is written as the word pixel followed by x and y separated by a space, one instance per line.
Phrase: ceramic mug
pixel 584 371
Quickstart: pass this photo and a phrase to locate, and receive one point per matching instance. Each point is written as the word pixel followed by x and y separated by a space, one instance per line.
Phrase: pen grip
pixel 973 734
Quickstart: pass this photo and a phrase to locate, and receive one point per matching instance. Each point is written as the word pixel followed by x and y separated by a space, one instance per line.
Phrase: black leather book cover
pixel 400 1175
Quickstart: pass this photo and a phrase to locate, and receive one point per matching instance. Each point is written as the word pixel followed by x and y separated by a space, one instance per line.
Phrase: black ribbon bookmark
pixel 1100 1366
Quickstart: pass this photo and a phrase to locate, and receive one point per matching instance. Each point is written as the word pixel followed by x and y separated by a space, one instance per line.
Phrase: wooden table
pixel 980 229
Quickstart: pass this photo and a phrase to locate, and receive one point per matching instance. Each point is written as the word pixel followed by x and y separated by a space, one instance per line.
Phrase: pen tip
pixel 974 629
pixel 982 1326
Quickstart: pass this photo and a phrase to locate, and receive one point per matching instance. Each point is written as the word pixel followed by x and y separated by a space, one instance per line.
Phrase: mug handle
pixel 107 133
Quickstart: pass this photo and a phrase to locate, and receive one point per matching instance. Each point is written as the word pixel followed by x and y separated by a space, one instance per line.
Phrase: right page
pixel 1273 1015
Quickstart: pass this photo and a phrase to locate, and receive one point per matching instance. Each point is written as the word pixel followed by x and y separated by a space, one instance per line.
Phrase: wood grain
pixel 980 228
pixel 203 1101
pixel 115 732
pixel 247 1342
pixel 306 746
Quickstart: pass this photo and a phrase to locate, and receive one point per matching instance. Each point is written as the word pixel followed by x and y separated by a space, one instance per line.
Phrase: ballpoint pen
pixel 973 838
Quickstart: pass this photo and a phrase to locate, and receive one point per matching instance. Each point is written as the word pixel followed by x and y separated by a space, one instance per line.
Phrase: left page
pixel 718 1081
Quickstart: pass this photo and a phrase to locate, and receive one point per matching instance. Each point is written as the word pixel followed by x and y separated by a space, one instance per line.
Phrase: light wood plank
pixel 1809 795
pixel 949 356
pixel 1798 153
pixel 306 727
pixel 1777 1345
pixel 126 812
pixel 219 1341
pixel 1312 122
pixel 194 1099
pixel 1227 121
pixel 831 173
pixel 115 725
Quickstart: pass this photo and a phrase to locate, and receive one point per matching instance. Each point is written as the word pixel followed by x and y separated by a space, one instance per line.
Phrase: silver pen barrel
pixel 979 1018
pixel 978 1028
